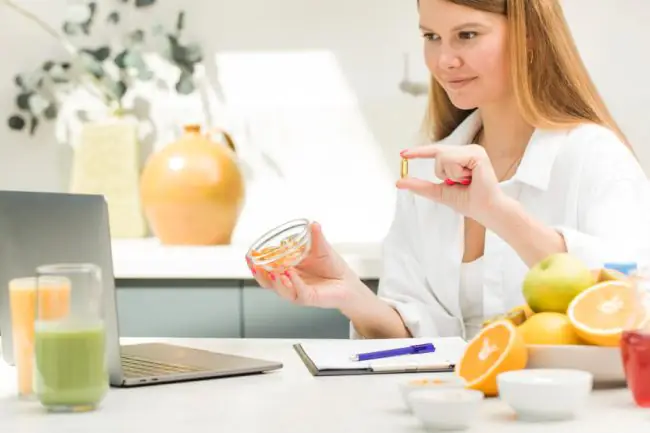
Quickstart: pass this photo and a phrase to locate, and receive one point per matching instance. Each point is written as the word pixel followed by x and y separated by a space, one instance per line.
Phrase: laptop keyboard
pixel 134 367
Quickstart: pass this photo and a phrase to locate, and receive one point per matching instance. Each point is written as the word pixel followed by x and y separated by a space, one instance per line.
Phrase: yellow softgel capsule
pixel 405 167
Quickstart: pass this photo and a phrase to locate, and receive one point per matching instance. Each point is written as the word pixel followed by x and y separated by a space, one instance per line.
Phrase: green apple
pixel 551 284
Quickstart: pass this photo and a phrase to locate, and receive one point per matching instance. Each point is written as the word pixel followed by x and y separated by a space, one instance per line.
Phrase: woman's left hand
pixel 476 200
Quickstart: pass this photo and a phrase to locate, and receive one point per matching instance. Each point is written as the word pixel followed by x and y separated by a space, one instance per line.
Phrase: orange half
pixel 601 313
pixel 497 348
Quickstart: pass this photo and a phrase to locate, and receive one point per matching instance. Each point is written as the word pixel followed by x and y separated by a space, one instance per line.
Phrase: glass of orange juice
pixel 54 301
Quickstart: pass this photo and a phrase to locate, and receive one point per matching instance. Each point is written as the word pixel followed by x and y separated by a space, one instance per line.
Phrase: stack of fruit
pixel 566 304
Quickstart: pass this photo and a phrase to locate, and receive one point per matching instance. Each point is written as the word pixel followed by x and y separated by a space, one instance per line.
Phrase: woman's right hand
pixel 322 279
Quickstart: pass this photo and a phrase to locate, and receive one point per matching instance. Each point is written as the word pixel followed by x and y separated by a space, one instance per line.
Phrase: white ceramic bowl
pixel 446 408
pixel 436 382
pixel 545 394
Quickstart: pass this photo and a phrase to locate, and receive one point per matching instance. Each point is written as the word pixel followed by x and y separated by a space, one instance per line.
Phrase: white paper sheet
pixel 336 354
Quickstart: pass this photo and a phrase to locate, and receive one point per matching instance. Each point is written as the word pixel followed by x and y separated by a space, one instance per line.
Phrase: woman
pixel 512 109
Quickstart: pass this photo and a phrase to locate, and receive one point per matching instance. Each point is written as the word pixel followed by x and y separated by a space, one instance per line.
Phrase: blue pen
pixel 410 350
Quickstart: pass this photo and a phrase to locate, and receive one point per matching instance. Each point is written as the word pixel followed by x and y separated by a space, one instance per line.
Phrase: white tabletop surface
pixel 147 258
pixel 286 401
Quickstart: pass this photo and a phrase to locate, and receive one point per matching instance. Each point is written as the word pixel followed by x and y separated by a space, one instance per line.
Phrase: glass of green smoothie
pixel 70 365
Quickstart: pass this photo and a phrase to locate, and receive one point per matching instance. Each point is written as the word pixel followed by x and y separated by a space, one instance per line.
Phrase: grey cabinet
pixel 219 309
pixel 266 315
pixel 185 308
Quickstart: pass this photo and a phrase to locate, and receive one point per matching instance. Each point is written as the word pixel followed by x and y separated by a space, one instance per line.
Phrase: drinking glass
pixel 70 368
pixel 635 341
pixel 22 297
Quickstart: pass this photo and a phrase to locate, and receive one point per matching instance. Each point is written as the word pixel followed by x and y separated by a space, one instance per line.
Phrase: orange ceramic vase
pixel 192 190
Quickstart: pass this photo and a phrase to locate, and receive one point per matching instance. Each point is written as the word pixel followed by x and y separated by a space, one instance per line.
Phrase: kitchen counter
pixel 148 259
pixel 192 291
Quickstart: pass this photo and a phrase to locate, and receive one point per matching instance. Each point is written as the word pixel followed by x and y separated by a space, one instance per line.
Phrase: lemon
pixel 516 316
pixel 525 309
pixel 549 328
pixel 604 274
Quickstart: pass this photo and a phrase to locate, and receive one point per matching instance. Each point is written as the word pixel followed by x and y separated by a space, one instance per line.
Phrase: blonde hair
pixel 551 84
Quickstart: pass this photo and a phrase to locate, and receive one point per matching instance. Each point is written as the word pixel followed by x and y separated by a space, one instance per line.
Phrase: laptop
pixel 44 228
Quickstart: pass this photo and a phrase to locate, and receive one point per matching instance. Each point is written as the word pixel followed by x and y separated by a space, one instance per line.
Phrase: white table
pixel 286 401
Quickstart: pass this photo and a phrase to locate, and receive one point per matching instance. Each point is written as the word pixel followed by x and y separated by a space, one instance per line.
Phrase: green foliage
pixel 109 70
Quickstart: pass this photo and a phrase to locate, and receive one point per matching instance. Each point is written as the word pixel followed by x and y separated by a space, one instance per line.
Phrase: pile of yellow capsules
pixel 281 256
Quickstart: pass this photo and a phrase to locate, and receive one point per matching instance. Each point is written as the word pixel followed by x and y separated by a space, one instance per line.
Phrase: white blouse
pixel 582 181
pixel 475 301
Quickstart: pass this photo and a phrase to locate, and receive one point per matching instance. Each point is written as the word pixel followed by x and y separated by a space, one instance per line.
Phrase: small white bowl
pixel 446 408
pixel 545 394
pixel 438 382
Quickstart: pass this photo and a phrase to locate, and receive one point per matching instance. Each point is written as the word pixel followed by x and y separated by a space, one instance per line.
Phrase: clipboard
pixel 331 357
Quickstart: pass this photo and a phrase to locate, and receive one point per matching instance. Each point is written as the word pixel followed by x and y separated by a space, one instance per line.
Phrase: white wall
pixel 311 91
pixel 612 38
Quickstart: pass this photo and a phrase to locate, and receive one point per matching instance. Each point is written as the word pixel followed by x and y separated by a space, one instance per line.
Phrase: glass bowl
pixel 282 247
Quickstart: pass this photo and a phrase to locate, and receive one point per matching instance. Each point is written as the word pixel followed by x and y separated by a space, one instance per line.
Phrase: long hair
pixel 551 84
